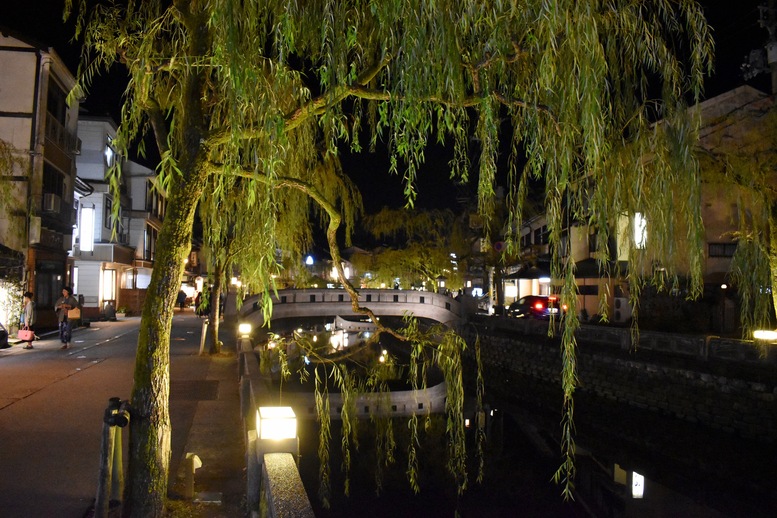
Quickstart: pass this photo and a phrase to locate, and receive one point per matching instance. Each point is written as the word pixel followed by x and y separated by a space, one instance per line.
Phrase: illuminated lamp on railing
pixel 244 330
pixel 276 422
pixel 276 431
pixel 765 334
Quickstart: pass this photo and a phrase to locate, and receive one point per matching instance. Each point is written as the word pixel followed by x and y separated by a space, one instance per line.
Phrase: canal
pixel 630 463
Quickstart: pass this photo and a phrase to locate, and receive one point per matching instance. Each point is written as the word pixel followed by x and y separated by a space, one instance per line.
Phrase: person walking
pixel 181 299
pixel 28 316
pixel 64 304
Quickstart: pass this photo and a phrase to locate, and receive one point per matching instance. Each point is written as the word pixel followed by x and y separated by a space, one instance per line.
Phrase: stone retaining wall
pixel 741 402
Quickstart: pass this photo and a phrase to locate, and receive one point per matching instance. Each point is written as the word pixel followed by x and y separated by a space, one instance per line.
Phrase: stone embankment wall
pixel 735 392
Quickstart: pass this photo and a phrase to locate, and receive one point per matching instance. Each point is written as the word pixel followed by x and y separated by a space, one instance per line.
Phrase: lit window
pixel 86 229
pixel 640 230
pixel 109 285
pixel 110 154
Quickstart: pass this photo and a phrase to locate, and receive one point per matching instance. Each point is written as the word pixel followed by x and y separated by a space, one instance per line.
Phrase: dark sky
pixel 736 32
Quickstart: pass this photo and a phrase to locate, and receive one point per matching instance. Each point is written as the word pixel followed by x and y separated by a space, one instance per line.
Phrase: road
pixel 51 407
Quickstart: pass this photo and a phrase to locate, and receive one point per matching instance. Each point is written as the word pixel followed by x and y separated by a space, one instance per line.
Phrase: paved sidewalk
pixel 216 437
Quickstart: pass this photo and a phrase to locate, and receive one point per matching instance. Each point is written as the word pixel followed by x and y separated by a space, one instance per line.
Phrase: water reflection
pixel 636 464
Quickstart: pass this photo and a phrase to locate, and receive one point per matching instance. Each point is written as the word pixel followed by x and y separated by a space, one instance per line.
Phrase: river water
pixel 630 463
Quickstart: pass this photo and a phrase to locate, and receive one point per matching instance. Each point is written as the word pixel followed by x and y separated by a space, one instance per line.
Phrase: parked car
pixel 536 306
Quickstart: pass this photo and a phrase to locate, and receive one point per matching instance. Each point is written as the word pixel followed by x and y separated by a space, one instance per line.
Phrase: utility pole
pixel 764 60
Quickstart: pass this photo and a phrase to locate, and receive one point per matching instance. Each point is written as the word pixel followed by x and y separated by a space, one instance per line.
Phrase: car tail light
pixel 538 305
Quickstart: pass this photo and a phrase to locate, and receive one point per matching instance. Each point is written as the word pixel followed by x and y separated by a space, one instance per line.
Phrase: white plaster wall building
pixel 101 252
pixel 39 130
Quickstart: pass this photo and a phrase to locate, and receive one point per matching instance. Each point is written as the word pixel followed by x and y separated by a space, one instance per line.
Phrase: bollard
pixel 106 460
pixel 193 463
pixel 203 334
pixel 111 476
pixel 117 473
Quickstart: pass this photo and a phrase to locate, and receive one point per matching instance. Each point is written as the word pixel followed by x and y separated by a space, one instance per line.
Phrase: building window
pixel 86 229
pixel 108 217
pixel 592 240
pixel 53 181
pixel 588 290
pixel 109 152
pixel 541 235
pixel 640 230
pixel 722 249
pixel 56 103
pixel 150 236
pixel 109 285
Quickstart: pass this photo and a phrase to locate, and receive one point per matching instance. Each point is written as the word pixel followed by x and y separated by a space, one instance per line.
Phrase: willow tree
pixel 421 243
pixel 268 91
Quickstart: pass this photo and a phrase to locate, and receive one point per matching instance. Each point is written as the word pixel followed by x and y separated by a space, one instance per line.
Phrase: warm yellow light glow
pixel 233 281
pixel 511 291
pixel 765 334
pixel 466 423
pixel 244 329
pixel 276 422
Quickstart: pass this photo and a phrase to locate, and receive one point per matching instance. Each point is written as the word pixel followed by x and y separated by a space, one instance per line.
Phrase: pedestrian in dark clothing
pixel 181 299
pixel 62 306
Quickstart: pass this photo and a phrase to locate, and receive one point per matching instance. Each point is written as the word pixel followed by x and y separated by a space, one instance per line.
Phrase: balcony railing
pixel 59 135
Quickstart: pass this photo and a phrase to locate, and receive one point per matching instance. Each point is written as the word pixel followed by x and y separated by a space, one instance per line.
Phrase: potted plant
pixel 121 312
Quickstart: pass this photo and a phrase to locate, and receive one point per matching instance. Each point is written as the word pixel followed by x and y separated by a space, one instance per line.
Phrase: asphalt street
pixel 52 403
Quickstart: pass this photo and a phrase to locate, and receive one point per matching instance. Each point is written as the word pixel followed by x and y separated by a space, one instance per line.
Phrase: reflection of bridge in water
pixel 333 302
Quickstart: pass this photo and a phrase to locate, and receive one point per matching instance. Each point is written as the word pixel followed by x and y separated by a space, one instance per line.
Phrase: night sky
pixel 736 31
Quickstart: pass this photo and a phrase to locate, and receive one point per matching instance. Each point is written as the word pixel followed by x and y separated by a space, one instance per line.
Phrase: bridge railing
pixel 329 302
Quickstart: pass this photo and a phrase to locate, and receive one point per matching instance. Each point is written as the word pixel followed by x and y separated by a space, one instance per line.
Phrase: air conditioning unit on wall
pixel 51 202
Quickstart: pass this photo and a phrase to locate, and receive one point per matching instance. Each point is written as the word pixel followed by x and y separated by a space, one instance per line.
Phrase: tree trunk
pixel 215 308
pixel 149 445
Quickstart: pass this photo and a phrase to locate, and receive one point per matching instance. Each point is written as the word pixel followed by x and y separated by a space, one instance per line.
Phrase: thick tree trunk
pixel 149 446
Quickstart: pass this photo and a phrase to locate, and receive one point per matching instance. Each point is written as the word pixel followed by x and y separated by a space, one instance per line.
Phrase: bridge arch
pixel 324 302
